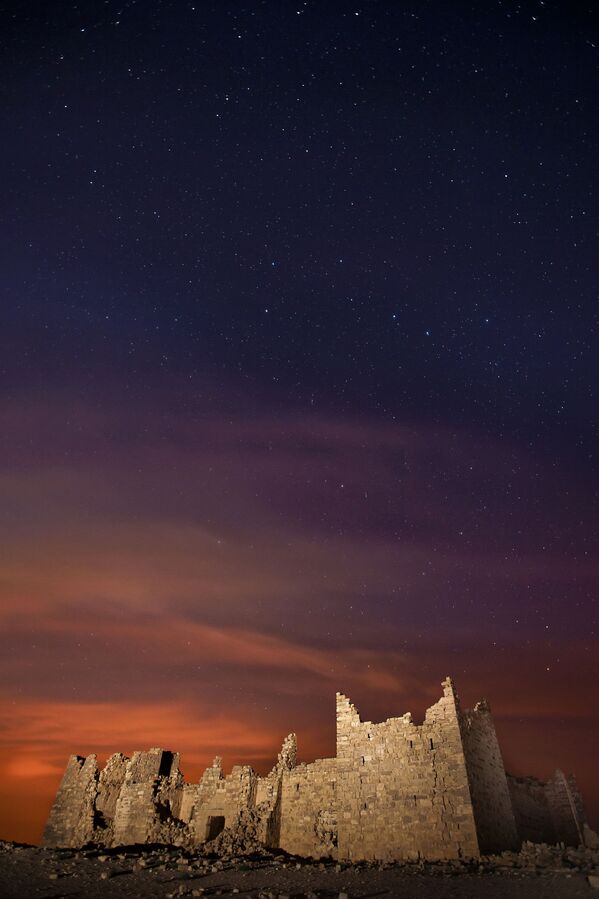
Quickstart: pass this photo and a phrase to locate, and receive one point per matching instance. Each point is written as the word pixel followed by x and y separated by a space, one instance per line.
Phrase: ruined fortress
pixel 394 790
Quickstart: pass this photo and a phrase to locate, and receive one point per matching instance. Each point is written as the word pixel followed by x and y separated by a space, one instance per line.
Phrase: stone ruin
pixel 394 791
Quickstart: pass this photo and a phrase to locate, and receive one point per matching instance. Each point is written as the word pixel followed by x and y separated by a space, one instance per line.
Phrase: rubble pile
pixel 241 838
pixel 537 856
pixel 227 865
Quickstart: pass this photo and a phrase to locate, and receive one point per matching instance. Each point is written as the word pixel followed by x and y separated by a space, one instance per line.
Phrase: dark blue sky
pixel 384 207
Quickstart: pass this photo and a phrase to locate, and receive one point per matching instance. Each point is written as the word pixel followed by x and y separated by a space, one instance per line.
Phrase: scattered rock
pixel 547 870
pixel 591 839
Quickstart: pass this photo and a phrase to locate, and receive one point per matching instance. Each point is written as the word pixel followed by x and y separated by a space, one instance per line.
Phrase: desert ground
pixel 540 872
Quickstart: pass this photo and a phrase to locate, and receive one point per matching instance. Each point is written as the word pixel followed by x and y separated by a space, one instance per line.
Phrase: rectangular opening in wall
pixel 214 826
pixel 411 744
pixel 431 742
pixel 166 763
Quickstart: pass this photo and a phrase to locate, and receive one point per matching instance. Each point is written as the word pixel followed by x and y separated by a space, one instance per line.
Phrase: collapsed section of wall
pixel 222 805
pixel 130 801
pixel 110 784
pixel 147 809
pixel 220 799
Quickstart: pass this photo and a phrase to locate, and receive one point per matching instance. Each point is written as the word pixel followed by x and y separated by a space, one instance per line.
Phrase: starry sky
pixel 298 381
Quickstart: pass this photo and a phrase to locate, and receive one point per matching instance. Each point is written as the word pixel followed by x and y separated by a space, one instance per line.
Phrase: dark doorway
pixel 214 826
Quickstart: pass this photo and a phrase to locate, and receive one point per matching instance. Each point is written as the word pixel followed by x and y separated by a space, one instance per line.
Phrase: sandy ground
pixel 30 872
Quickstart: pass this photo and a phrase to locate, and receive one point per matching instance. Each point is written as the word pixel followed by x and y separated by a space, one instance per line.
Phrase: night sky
pixel 298 378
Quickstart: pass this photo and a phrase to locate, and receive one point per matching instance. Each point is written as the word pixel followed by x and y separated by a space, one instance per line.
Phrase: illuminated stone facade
pixel 395 790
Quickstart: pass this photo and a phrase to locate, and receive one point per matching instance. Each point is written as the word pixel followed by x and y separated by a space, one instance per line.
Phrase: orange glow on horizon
pixel 210 593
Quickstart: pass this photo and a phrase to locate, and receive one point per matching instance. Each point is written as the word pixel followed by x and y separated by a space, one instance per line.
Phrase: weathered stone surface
pixel 71 821
pixel 591 839
pixel 110 785
pixel 394 791
pixel 403 788
pixel 565 805
pixel 495 821
pixel 548 812
pixel 531 809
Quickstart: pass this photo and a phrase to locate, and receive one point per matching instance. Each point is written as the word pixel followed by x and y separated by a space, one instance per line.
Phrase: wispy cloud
pixel 237 569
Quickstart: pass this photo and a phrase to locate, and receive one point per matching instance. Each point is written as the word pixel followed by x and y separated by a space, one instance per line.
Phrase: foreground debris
pixel 538 871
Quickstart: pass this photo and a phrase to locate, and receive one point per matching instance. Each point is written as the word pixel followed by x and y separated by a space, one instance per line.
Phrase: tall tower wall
pixel 71 820
pixel 493 812
pixel 531 810
pixel 566 808
pixel 402 789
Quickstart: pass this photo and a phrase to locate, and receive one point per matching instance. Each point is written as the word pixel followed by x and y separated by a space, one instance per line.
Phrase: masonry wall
pixel 395 790
pixel 403 789
pixel 188 800
pixel 149 800
pixel 135 816
pixel 71 820
pixel 222 797
pixel 566 808
pixel 309 815
pixel 110 784
pixel 531 810
pixel 493 813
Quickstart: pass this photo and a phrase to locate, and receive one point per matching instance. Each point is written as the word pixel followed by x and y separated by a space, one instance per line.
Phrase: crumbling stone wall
pixel 403 788
pixel 133 800
pixel 221 797
pixel 566 808
pixel 221 802
pixel 395 790
pixel 550 812
pixel 110 784
pixel 493 813
pixel 149 800
pixel 309 810
pixel 531 810
pixel 269 792
pixel 189 798
pixel 71 820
